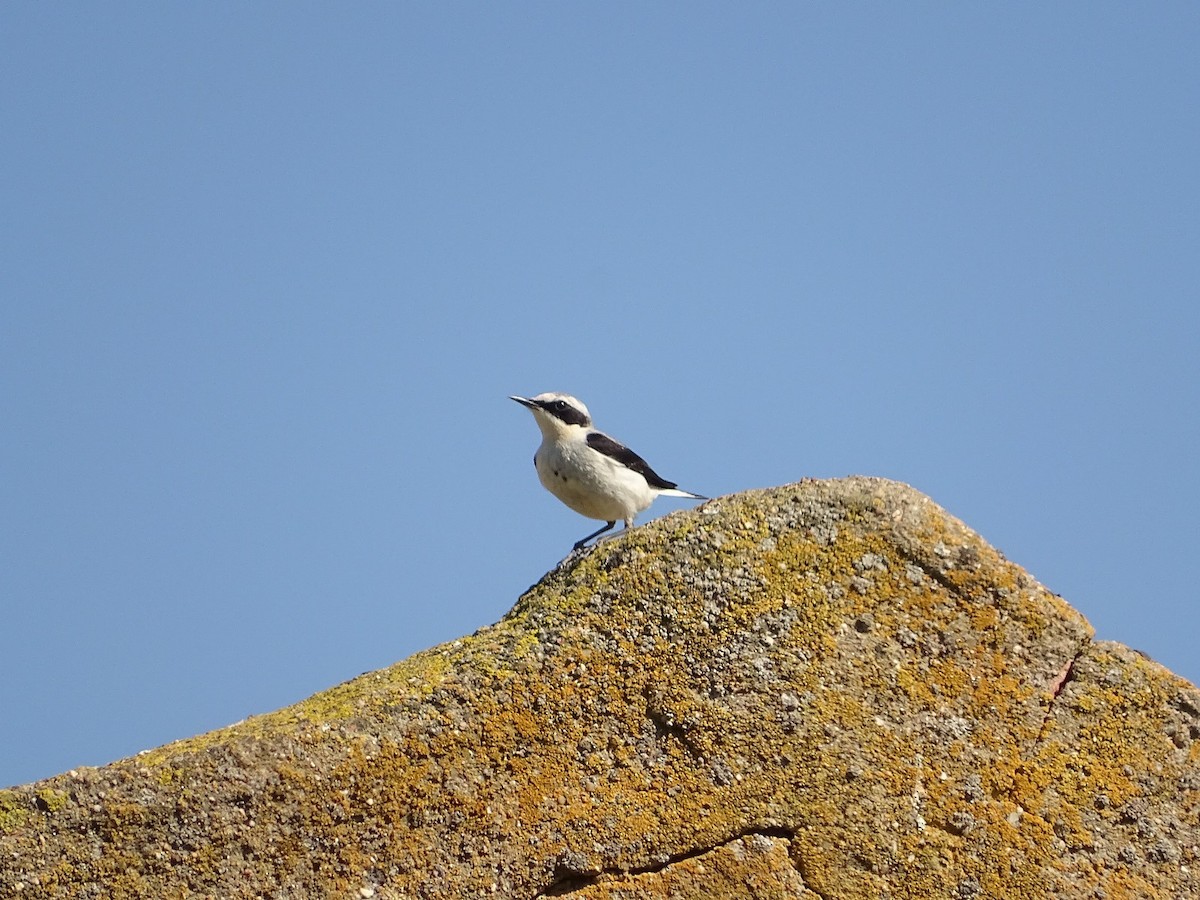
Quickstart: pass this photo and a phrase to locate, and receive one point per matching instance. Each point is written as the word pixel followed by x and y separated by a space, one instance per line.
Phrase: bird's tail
pixel 675 492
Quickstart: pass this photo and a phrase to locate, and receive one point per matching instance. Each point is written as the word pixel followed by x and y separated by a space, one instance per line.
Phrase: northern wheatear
pixel 587 470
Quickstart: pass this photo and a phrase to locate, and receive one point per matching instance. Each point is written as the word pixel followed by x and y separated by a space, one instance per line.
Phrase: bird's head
pixel 557 415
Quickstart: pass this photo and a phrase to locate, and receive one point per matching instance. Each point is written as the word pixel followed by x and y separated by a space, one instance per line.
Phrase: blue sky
pixel 271 270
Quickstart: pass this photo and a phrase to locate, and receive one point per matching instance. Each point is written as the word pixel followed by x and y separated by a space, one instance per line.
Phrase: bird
pixel 589 471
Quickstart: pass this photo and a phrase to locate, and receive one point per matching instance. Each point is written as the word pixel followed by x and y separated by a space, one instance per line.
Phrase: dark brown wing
pixel 602 443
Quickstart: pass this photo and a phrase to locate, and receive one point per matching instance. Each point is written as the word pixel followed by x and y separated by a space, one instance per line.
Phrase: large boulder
pixel 824 690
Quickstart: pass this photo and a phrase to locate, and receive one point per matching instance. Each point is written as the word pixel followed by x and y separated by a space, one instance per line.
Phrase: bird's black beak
pixel 528 404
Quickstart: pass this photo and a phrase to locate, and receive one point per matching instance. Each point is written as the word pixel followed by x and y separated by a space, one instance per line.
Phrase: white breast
pixel 591 483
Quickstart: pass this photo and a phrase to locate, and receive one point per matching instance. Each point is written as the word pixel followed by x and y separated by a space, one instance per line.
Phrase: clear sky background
pixel 269 272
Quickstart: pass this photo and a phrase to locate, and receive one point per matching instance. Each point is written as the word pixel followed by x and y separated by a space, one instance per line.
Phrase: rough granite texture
pixel 824 690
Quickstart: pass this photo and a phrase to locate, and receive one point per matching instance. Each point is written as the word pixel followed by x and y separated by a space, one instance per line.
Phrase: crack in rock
pixel 567 882
pixel 939 575
pixel 1059 684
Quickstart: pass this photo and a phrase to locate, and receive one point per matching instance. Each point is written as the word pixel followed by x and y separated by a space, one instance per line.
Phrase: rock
pixel 825 690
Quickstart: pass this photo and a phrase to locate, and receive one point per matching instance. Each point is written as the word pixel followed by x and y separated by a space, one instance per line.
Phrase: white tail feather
pixel 673 492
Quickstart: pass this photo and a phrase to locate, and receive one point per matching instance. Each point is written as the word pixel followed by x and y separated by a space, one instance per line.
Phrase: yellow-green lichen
pixel 13 811
pixel 50 800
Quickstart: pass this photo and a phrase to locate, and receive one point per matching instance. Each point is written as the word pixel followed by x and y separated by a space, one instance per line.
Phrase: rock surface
pixel 825 690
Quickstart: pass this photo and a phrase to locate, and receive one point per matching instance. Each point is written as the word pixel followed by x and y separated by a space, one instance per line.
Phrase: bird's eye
pixel 560 404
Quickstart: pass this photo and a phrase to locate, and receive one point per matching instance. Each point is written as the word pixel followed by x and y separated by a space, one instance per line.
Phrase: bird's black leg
pixel 579 544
